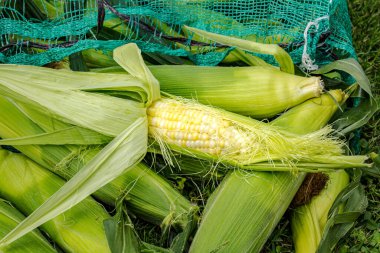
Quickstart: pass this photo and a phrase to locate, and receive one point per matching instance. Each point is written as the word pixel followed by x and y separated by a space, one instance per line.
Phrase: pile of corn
pixel 84 155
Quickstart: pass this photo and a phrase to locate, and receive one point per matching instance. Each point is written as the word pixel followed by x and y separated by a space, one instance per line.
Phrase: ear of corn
pixel 148 195
pixel 254 91
pixel 308 221
pixel 251 204
pixel 259 91
pixel 209 133
pixel 244 143
pixel 243 211
pixel 314 107
pixel 34 242
pixel 78 230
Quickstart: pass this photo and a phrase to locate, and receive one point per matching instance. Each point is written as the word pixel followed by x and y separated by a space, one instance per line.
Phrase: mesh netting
pixel 37 32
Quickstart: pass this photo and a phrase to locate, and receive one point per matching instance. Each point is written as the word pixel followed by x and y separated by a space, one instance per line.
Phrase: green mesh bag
pixel 314 32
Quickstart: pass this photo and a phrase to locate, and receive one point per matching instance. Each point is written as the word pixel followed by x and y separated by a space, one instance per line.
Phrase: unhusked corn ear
pixel 309 220
pixel 328 102
pixel 230 137
pixel 256 91
pixel 33 242
pixel 28 185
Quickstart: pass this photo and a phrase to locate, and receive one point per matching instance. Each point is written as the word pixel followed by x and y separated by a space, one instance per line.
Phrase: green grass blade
pixel 375 170
pixel 352 67
pixel 348 205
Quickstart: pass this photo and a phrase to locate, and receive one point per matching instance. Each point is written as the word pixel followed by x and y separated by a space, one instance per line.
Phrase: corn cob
pixel 257 201
pixel 28 185
pixel 34 242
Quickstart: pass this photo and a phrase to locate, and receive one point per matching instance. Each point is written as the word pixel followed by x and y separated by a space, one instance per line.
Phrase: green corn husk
pixel 33 242
pixel 28 185
pixel 148 195
pixel 251 204
pixel 257 91
pixel 197 169
pixel 327 103
pixel 308 221
pixel 254 91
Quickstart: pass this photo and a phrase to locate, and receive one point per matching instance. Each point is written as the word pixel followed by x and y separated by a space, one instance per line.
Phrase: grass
pixel 365 17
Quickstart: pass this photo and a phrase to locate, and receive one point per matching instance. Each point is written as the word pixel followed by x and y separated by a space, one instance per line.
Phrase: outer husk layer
pixel 254 91
pixel 28 185
pixel 33 242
